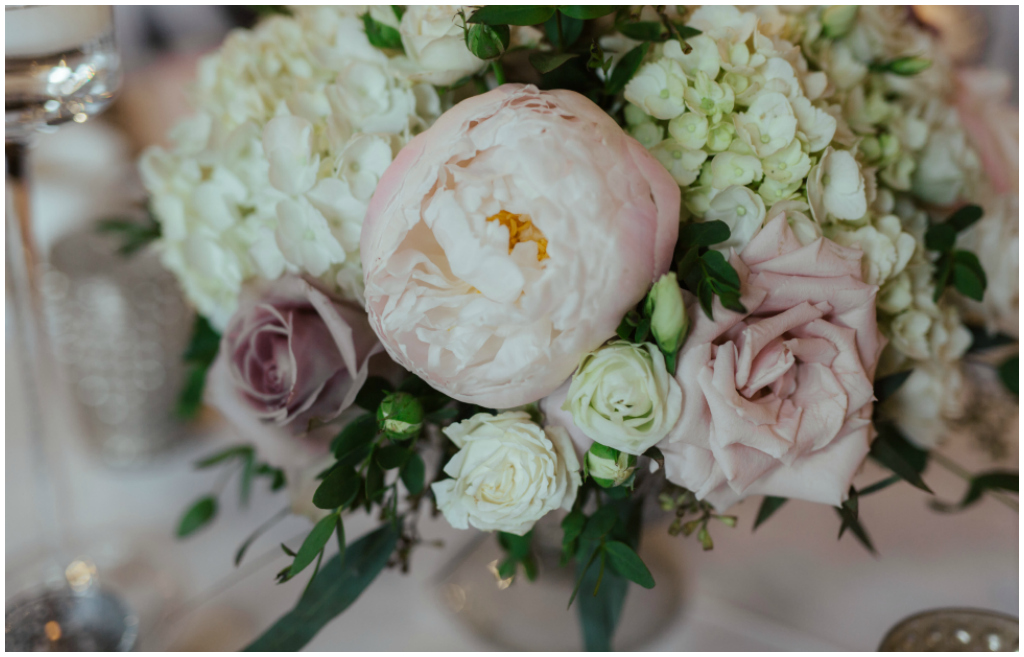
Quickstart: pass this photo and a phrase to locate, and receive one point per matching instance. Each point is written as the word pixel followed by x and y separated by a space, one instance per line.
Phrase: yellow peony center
pixel 521 229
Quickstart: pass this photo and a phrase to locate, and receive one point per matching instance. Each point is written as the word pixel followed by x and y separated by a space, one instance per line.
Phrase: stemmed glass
pixel 61 64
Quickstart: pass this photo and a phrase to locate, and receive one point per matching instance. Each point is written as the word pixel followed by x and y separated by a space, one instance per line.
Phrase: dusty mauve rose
pixel 509 239
pixel 290 355
pixel 778 401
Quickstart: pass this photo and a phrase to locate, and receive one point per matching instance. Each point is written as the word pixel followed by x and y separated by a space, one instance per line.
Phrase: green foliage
pixel 340 583
pixel 546 62
pixel 887 386
pixel 769 505
pixel 893 451
pixel 587 12
pixel 512 14
pixel 563 31
pixel 625 561
pixel 518 552
pixel 849 512
pixel 705 272
pixel 644 31
pixel 134 235
pixel 197 516
pixel 381 35
pixel 270 10
pixel 904 66
pixel 991 480
pixel 982 340
pixel 1009 374
pixel 338 489
pixel 487 41
pixel 198 356
pixel 314 544
pixel 412 474
pixel 626 69
pixel 355 435
pixel 956 267
pixel 692 515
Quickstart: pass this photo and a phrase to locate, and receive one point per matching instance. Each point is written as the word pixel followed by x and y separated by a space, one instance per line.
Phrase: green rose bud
pixel 837 20
pixel 400 416
pixel 487 41
pixel 665 307
pixel 609 467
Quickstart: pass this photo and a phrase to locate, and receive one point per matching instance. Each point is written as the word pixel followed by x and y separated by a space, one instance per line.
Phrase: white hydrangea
pixel 298 118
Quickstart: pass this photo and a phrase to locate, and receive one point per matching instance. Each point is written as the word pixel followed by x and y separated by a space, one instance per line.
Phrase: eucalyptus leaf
pixel 197 516
pixel 314 544
pixel 627 563
pixel 339 585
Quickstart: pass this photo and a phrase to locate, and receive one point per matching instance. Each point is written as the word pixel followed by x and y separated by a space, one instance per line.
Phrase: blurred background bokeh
pixel 791 586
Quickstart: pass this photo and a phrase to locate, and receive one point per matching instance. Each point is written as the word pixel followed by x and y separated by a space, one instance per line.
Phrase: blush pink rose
pixel 992 124
pixel 778 400
pixel 290 355
pixel 509 239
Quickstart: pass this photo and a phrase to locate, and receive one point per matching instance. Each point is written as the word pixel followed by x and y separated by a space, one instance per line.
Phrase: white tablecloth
pixel 789 586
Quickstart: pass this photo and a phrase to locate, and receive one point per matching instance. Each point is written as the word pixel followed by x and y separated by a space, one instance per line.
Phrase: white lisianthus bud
pixel 508 473
pixel 623 396
pixel 658 88
pixel 609 467
pixel 665 307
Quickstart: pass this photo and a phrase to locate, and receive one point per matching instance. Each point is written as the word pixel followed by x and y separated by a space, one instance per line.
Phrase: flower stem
pixel 956 469
pixel 499 72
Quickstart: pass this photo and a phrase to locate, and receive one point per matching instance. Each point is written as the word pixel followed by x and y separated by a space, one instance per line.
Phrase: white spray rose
pixel 622 396
pixel 434 42
pixel 927 401
pixel 508 473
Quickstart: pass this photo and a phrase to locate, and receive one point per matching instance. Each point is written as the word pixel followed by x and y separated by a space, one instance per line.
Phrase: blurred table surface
pixel 789 586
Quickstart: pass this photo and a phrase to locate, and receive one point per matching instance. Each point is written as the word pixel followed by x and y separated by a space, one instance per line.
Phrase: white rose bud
pixel 508 474
pixel 664 305
pixel 609 467
pixel 623 396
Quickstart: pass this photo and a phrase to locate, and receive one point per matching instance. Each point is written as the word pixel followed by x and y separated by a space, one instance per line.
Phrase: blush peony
pixel 509 239
pixel 778 400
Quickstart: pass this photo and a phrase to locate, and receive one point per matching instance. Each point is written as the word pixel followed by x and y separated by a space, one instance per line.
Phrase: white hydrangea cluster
pixel 744 125
pixel 905 122
pixel 297 119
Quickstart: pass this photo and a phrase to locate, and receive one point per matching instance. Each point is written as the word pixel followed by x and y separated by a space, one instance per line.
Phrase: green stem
pixel 499 72
pixel 955 468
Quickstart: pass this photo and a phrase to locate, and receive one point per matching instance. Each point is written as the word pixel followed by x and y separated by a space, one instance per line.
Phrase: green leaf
pixel 943 272
pixel 338 488
pixel 992 480
pixel 685 31
pixel 600 613
pixel 968 276
pixel 204 343
pixel 518 547
pixel 339 585
pixel 769 505
pixel 849 515
pixel 643 329
pixel 706 297
pixel 487 41
pixel 271 10
pixel 392 456
pixel 245 481
pixel 982 340
pixel 374 482
pixel 190 399
pixel 315 542
pixel 627 563
pixel 626 69
pixel 644 31
pixel 571 31
pixel 965 217
pixel 902 66
pixel 197 516
pixel 545 62
pixel 1009 374
pixel 412 474
pixel 340 533
pixel 880 485
pixel 940 237
pixel 718 268
pixel 572 526
pixel 704 233
pixel 237 451
pixel 134 235
pixel 887 386
pixel 891 450
pixel 512 14
pixel 655 455
pixel 381 35
pixel 358 433
pixel 600 523
pixel 373 392
pixel 587 12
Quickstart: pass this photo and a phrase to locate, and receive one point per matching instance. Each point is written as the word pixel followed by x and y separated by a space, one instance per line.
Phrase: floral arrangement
pixel 522 261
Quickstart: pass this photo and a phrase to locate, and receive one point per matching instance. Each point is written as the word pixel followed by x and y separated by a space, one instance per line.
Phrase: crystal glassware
pixel 60 65
pixel 954 630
